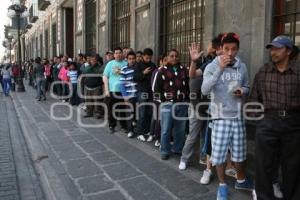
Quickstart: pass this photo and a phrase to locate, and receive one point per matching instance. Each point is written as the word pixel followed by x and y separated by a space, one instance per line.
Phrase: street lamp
pixel 19 11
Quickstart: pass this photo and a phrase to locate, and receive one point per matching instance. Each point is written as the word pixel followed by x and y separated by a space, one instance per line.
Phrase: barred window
pixel 120 23
pixel 41 46
pixel 54 53
pixel 46 43
pixel 90 26
pixel 181 24
pixel 287 19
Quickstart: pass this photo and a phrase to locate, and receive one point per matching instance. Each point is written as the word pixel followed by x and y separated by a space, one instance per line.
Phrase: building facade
pixel 87 26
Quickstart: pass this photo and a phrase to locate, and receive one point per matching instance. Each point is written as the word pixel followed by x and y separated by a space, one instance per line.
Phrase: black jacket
pixel 93 82
pixel 143 81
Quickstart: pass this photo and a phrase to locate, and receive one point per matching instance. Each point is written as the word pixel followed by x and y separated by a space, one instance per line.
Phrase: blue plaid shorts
pixel 228 134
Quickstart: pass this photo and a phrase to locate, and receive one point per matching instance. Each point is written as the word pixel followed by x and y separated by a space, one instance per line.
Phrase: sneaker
pixel 182 165
pixel 254 196
pixel 150 138
pixel 203 160
pixel 231 172
pixel 111 130
pixel 141 138
pixel 130 134
pixel 246 185
pixel 124 130
pixel 205 179
pixel 222 192
pixel 88 115
pixel 64 101
pixel 164 157
pixel 277 191
pixel 157 143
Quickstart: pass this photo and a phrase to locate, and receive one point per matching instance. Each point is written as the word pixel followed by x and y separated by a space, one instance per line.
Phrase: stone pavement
pixel 89 163
pixel 18 179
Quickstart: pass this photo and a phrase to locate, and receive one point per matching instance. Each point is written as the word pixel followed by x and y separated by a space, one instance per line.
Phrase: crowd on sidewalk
pixel 176 105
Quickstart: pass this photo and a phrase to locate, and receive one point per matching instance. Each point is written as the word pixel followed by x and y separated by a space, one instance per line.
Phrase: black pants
pixel 144 114
pixel 278 137
pixel 115 97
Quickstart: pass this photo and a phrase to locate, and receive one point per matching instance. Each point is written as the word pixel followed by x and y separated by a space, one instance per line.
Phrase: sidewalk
pixel 91 164
pixel 18 179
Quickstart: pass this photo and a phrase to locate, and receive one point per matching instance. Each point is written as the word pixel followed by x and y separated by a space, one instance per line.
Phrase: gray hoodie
pixel 220 85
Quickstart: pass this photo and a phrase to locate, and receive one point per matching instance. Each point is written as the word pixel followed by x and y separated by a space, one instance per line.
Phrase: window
pixel 90 26
pixel 54 53
pixel 181 24
pixel 46 43
pixel 287 19
pixel 41 46
pixel 120 23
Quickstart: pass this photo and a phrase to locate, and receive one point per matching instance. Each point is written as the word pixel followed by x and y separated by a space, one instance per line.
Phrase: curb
pixel 51 185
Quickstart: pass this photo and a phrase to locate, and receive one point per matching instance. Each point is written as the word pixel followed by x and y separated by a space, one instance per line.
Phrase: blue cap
pixel 281 42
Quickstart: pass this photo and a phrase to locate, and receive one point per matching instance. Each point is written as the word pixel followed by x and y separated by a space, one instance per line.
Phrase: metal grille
pixel 287 19
pixel 41 46
pixel 181 24
pixel 46 43
pixel 54 40
pixel 90 26
pixel 120 23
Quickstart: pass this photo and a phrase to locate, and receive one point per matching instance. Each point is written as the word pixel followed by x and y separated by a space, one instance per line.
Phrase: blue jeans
pixel 169 124
pixel 41 92
pixel 6 85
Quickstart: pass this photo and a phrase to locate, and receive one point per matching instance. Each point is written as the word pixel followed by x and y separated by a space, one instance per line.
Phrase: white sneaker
pixel 182 165
pixel 130 134
pixel 205 179
pixel 141 138
pixel 277 191
pixel 157 143
pixel 150 138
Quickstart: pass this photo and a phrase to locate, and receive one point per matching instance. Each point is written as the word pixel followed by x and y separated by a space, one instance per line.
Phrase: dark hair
pixel 148 52
pixel 131 53
pixel 99 59
pixel 84 56
pixel 80 55
pixel 295 52
pixel 46 61
pixel 217 41
pixel 230 38
pixel 139 52
pixel 74 64
pixel 37 60
pixel 173 50
pixel 118 49
pixel 161 58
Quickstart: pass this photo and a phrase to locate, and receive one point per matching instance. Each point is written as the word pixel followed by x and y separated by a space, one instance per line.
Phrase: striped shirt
pixel 73 75
pixel 128 86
